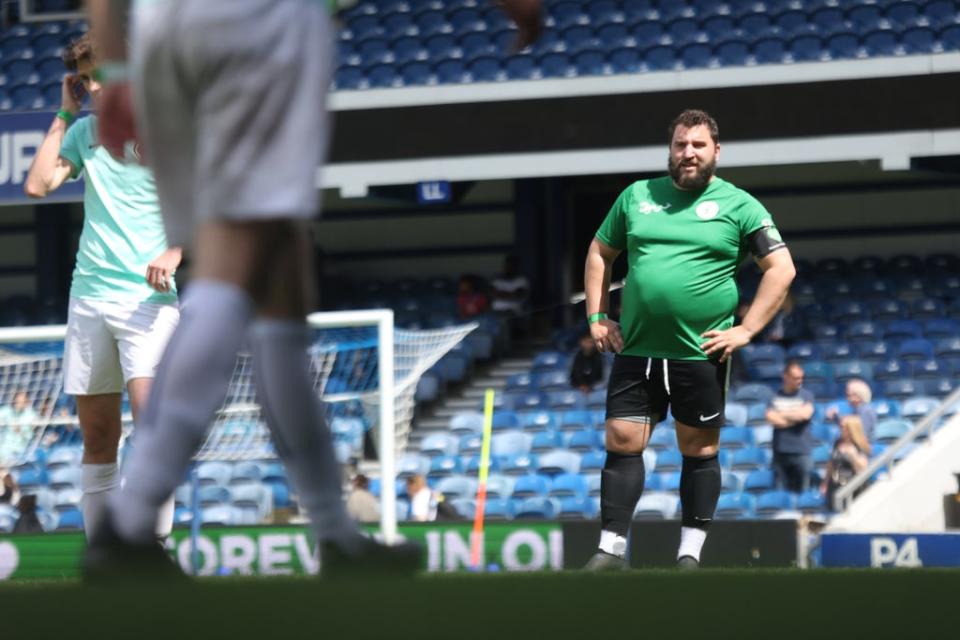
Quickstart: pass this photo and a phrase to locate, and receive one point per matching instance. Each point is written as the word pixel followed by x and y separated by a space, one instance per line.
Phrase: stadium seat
pixel 670 460
pixel 69 519
pixel 498 485
pixel 515 465
pixel 771 502
pixel 538 508
pixel 64 478
pixel 843 46
pixel 625 60
pixel 756 414
pixel 412 464
pixel 759 481
pixel 749 459
pixel 811 502
pixel 916 408
pixel 592 461
pixel 753 393
pixel 510 443
pixel 537 421
pixel 503 420
pixel 575 508
pixel 914 349
pixel 735 506
pixel 584 440
pixel 497 509
pixel 439 444
pixel 665 481
pixel 889 431
pixel 463 423
pixel 656 506
pixel 465 507
pixel 736 414
pixel 530 485
pixel 662 439
pixel 546 441
pixel 559 461
pixel 569 485
pixel 444 465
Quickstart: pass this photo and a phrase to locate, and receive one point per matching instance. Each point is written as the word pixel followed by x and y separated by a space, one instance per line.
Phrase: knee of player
pixel 624 437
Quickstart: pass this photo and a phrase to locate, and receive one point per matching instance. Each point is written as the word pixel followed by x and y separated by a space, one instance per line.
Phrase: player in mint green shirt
pixel 123 301
pixel 685 235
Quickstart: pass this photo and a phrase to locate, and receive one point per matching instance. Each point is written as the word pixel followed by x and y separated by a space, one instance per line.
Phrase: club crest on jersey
pixel 708 210
pixel 646 208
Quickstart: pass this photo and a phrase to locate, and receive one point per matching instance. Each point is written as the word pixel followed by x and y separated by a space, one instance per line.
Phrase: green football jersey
pixel 683 250
pixel 122 227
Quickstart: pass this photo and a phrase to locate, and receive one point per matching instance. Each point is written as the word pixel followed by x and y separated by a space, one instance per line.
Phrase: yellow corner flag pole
pixel 476 539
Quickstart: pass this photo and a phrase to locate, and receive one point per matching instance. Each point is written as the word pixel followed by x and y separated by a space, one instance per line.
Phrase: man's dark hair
pixel 692 118
pixel 361 481
pixel 77 50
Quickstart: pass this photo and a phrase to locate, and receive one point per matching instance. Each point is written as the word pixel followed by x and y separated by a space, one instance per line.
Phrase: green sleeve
pixel 613 231
pixel 70 149
pixel 753 216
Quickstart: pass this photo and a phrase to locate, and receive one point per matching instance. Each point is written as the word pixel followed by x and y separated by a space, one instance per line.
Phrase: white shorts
pixel 231 99
pixel 110 343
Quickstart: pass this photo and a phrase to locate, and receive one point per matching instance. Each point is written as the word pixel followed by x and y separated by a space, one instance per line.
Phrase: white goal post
pixel 401 357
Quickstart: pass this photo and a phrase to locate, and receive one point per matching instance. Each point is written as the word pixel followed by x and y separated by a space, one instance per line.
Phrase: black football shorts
pixel 644 388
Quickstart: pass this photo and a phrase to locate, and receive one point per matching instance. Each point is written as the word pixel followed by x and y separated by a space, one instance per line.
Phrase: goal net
pixel 364 370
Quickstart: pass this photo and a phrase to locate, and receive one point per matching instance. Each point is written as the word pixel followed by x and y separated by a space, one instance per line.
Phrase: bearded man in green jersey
pixel 685 235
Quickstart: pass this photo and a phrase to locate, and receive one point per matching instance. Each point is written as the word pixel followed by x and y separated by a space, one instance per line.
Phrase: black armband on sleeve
pixel 765 241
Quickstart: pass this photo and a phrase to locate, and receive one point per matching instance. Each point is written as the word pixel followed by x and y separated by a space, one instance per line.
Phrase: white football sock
pixel 294 415
pixel 613 543
pixel 190 385
pixel 96 482
pixel 691 542
pixel 165 518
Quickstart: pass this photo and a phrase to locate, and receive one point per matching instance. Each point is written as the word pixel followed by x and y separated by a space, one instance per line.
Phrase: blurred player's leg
pixel 99 417
pixel 139 390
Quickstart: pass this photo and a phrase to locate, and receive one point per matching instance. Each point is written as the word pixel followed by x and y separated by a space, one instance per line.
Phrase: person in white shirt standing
pixel 123 300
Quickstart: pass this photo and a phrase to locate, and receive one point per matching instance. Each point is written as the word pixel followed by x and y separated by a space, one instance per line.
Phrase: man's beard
pixel 696 182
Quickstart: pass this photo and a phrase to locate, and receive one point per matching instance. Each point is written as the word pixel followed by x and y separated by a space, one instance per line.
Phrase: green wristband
pixel 596 317
pixel 66 116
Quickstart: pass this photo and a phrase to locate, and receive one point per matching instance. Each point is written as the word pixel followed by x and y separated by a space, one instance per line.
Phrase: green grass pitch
pixel 729 603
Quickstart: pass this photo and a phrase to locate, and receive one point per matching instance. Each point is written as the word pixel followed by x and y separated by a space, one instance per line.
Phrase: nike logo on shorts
pixel 705 418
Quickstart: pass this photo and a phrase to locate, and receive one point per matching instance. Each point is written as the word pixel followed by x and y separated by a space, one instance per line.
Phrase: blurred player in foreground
pixel 231 101
pixel 685 235
pixel 123 301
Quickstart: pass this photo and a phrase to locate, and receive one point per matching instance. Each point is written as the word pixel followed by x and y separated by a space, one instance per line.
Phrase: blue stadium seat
pixel 536 421
pixel 465 507
pixel 824 433
pixel 880 43
pixel 719 28
pixel 764 354
pixel 806 48
pixel 211 495
pixel 521 68
pixel 466 422
pixel 733 54
pixel 770 51
pixel 516 465
pixel 662 439
pixel 656 506
pixel 865 18
pixel 569 485
pixel 661 58
pixel 499 509
pixel 499 485
pixel 475 45
pixel 412 464
pixel 69 519
pixel 590 63
pixel 399 25
pixel 442 47
pixel 941 13
pixel 928 369
pixel 457 486
pixel 770 502
pixel 759 481
pixel 843 46
pixel 665 481
pixel 505 420
pixel 670 460
pixel 485 70
pixel 452 72
pixel 430 23
pixel 467 20
pixel 902 329
pixel 603 12
pixel 584 440
pixel 735 506
pixel 828 21
pixel 889 431
pixel 749 459
pixel 915 349
pixel 862 331
pixel 592 461
pixel 756 25
pixel 733 438
pixel 847 369
pixel 559 461
pixel 510 443
pixel 538 508
pixel 615 36
pixel 625 60
pixel 573 508
pixel 920 40
pixel 554 380
pixel 736 414
pixel 875 351
pixel 811 502
pixel 753 393
pixel 530 485
pixel 903 15
pixel 918 407
pixel 445 465
pixel 684 31
pixel 349 78
pixel 940 328
pixel 470 444
pixel 900 389
pixel 473 465
pixel 546 441
pixel 555 65
pixel 756 414
pixel 941 386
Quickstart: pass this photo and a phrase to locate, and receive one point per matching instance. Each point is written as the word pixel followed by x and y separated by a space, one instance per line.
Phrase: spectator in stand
pixel 587 368
pixel 510 289
pixel 29 521
pixel 17 423
pixel 9 492
pixel 423 502
pixel 362 505
pixel 858 397
pixel 850 456
pixel 470 301
pixel 790 412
